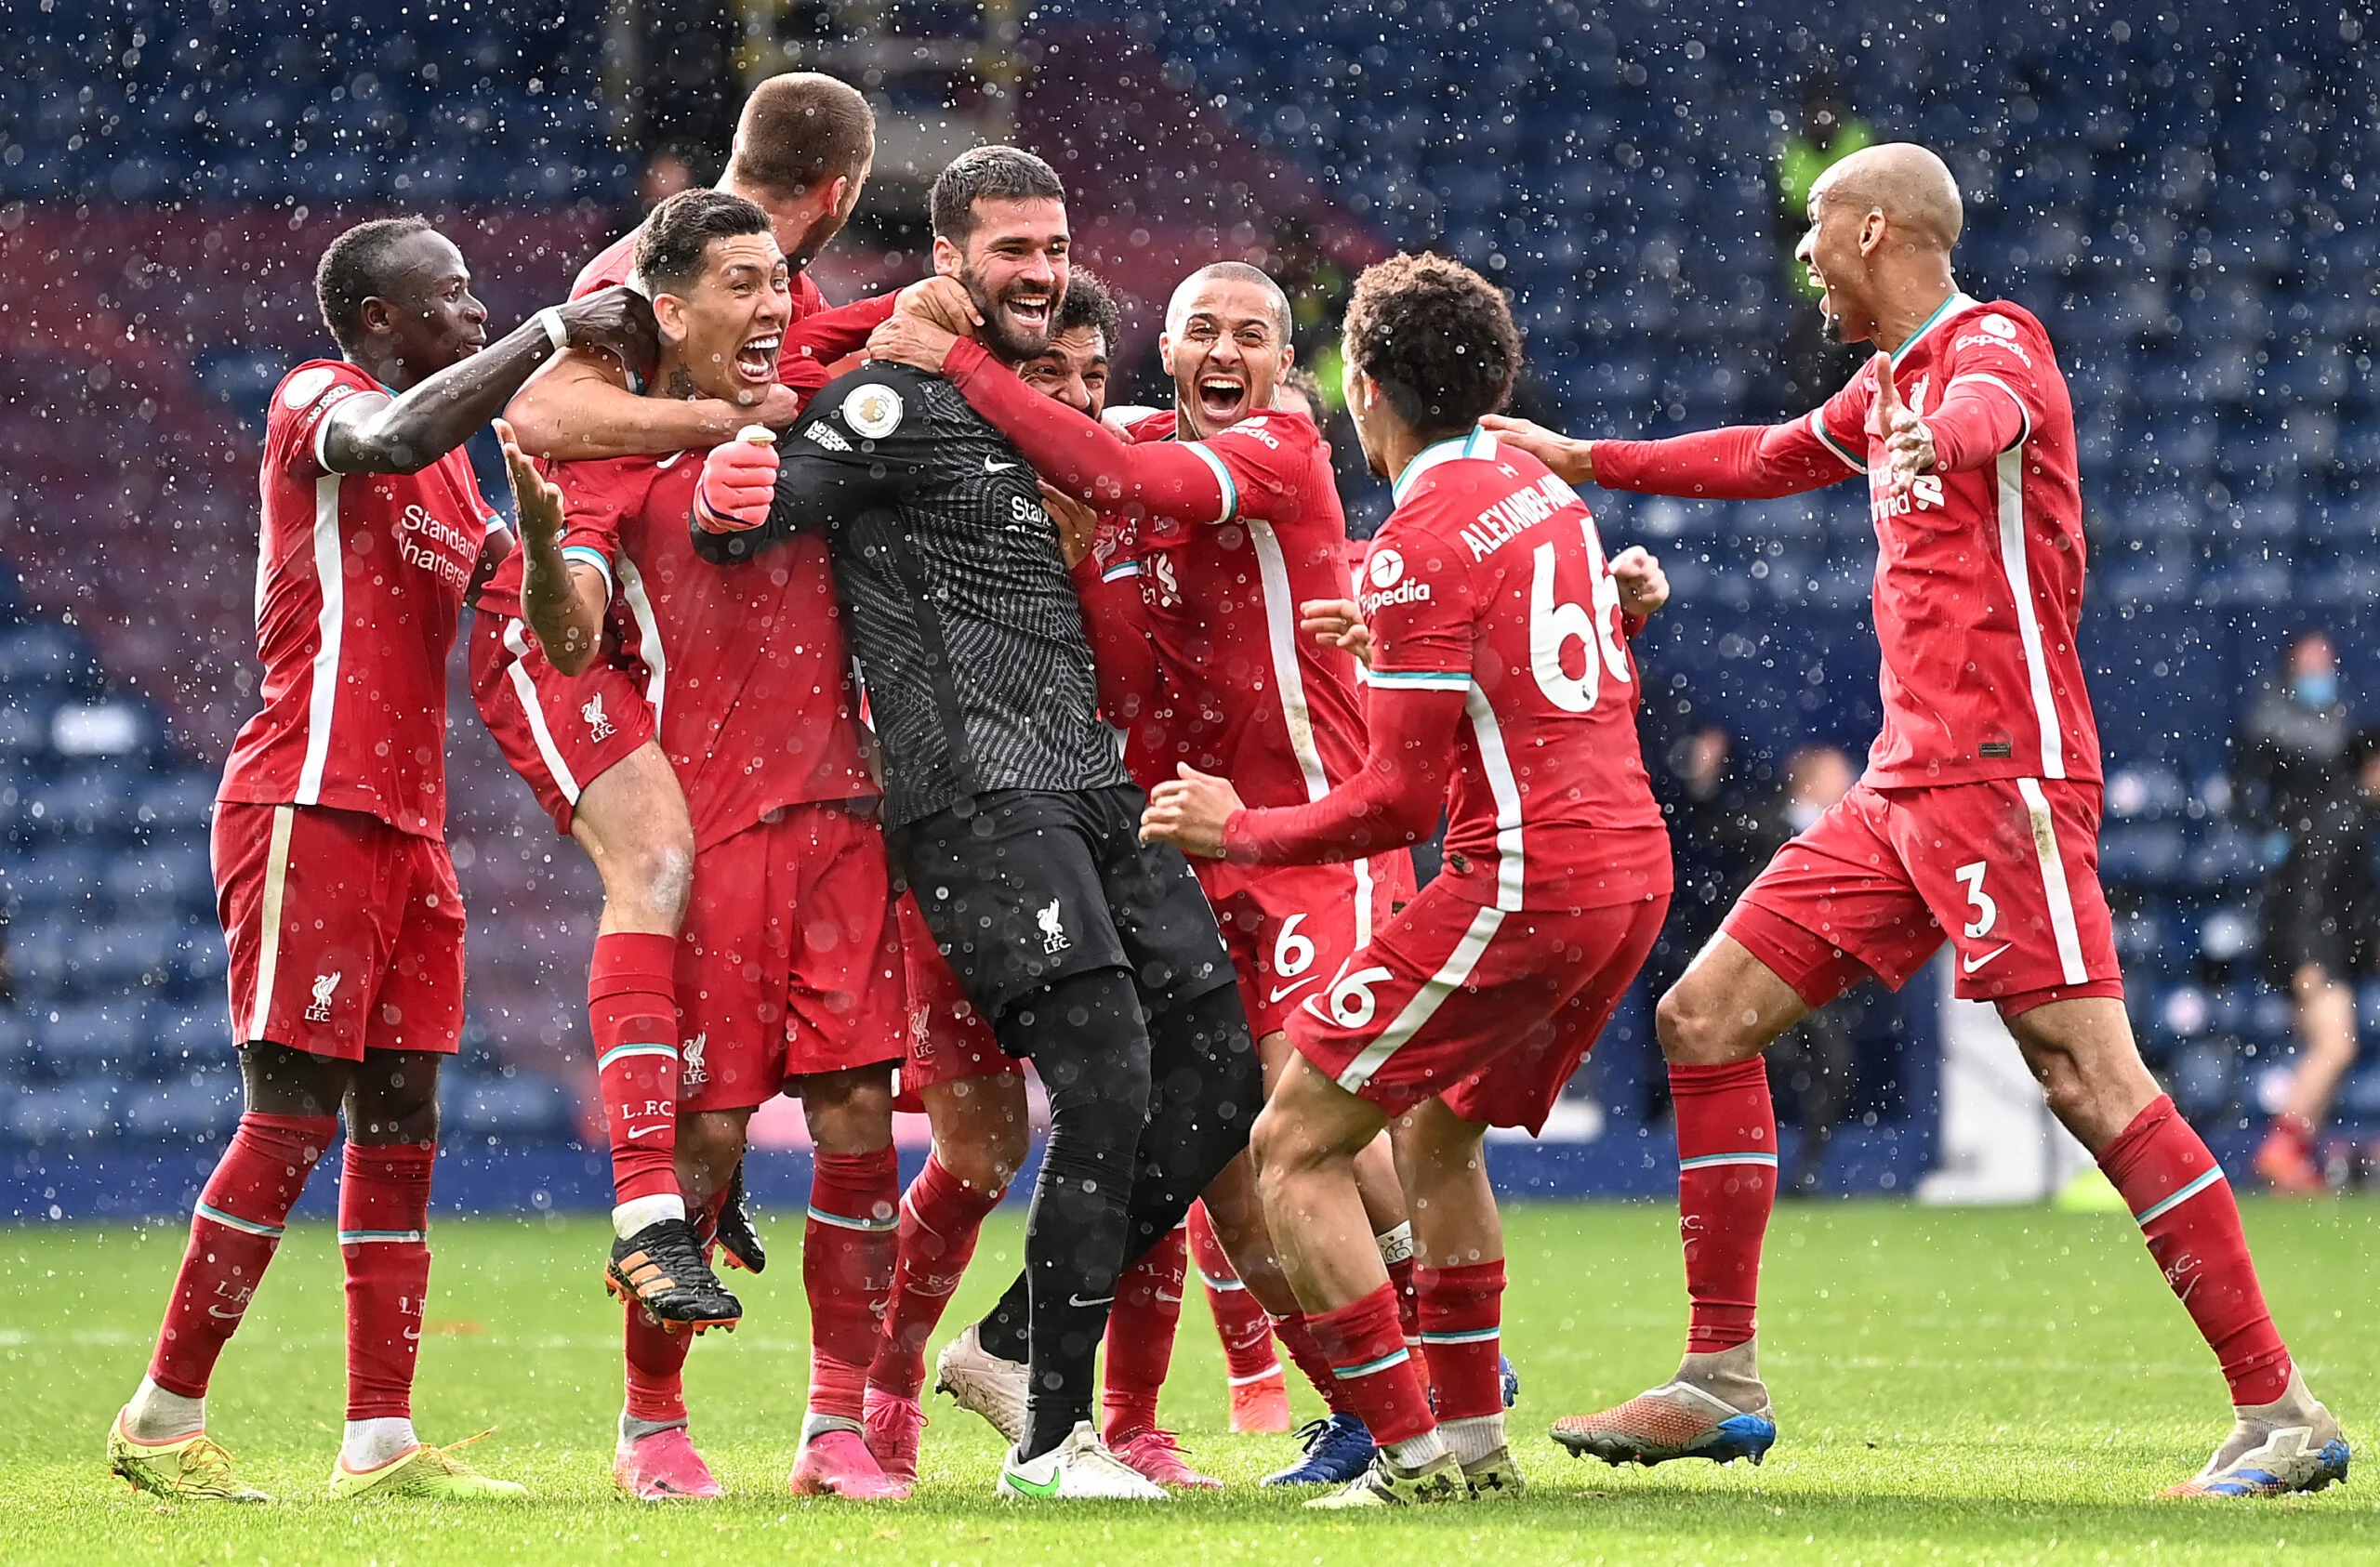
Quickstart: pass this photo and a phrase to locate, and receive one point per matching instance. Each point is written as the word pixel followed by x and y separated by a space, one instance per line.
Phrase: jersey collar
pixel 1477 443
pixel 1958 301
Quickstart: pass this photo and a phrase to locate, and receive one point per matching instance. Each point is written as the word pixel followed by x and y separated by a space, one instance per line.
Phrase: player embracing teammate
pixel 332 878
pixel 1503 693
pixel 1978 819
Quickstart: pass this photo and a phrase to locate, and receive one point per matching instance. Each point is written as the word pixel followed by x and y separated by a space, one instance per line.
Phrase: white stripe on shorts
pixel 524 691
pixel 2061 903
pixel 276 880
pixel 1426 1001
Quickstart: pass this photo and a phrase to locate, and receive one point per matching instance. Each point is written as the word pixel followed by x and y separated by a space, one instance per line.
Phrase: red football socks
pixel 1140 1337
pixel 2184 1206
pixel 1727 1187
pixel 1408 1305
pixel 940 1218
pixel 1240 1323
pixel 232 1233
pixel 632 1009
pixel 849 1248
pixel 1366 1351
pixel 383 1224
pixel 1462 1314
pixel 656 1357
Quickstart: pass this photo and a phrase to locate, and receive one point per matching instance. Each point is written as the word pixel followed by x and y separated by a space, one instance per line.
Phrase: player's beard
pixel 1009 346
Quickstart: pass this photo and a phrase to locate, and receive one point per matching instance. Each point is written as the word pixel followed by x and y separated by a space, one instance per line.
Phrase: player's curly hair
pixel 355 269
pixel 997 174
pixel 1089 303
pixel 670 251
pixel 1436 338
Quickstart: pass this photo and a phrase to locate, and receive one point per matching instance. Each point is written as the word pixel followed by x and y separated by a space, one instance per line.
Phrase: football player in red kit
pixel 338 898
pixel 1225 518
pixel 584 742
pixel 1502 690
pixel 788 970
pixel 1977 820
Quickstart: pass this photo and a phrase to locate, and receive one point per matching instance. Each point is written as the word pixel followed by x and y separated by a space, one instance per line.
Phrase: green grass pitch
pixel 2005 1386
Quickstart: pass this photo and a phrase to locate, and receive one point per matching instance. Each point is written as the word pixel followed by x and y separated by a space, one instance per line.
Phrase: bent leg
pixel 979 1141
pixel 632 821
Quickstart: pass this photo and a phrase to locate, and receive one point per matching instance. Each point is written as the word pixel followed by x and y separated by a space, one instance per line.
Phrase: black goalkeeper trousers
pixel 1142 1117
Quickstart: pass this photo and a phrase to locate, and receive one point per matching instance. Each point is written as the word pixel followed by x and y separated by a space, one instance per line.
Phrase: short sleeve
pixel 296 423
pixel 597 496
pixel 1416 595
pixel 1263 462
pixel 1998 351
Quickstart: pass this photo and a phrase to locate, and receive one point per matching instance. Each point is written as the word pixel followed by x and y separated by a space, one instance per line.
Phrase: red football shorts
pixel 1291 927
pixel 2008 866
pixel 949 1039
pixel 346 935
pixel 789 960
pixel 1490 1009
pixel 561 732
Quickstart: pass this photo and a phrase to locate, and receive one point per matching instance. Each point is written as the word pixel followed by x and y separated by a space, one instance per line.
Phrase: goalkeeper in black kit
pixel 1008 808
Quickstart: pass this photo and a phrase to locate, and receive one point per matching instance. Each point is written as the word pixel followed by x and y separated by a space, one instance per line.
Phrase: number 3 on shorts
pixel 1987 912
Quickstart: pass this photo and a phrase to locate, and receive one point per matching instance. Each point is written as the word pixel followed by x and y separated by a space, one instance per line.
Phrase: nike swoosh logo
pixel 1043 1488
pixel 1969 965
pixel 221 1315
pixel 1168 1299
pixel 412 1333
pixel 1079 1300
pixel 1290 989
pixel 991 467
pixel 636 1132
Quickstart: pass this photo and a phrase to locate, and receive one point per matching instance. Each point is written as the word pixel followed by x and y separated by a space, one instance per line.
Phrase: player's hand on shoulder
pixel 1337 622
pixel 1571 460
pixel 780 406
pixel 536 501
pixel 617 320
pixel 1189 812
pixel 942 302
pixel 1077 523
pixel 1909 444
pixel 912 340
pixel 1644 586
pixel 739 479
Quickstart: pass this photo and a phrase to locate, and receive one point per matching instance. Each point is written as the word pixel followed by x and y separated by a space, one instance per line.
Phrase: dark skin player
pixel 425 338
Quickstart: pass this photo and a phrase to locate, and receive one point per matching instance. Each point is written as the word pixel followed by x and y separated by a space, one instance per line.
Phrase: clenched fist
pixel 739 479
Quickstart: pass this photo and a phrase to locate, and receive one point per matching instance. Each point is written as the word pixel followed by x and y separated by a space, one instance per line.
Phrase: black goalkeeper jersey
pixel 955 597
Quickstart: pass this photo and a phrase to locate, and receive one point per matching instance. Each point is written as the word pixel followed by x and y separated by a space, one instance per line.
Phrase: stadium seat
pixel 91 1038
pixel 82 1112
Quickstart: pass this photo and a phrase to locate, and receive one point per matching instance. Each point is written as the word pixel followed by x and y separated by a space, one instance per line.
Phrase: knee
pixel 660 872
pixel 710 1144
pixel 982 1161
pixel 1279 1148
pixel 398 1105
pixel 849 1111
pixel 1692 1024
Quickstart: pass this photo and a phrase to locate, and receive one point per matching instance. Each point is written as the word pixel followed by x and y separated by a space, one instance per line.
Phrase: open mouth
pixel 1222 399
pixel 757 360
pixel 1029 314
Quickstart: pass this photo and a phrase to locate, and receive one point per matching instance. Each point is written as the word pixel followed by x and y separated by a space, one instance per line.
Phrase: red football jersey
pixel 801 362
pixel 1247 696
pixel 1488 578
pixel 360 582
pixel 745 668
pixel 1978 587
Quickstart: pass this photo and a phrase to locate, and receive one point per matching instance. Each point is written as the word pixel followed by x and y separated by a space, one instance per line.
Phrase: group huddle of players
pixel 924 715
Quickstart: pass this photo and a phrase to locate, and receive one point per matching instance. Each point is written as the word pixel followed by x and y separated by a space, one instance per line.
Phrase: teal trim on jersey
pixel 1419 679
pixel 594 558
pixel 1956 302
pixel 2156 1209
pixel 1223 480
pixel 626 1052
pixel 1477 443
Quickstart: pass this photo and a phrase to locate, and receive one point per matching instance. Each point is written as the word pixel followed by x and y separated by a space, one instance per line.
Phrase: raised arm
pixel 1167 480
pixel 561 600
pixel 406 434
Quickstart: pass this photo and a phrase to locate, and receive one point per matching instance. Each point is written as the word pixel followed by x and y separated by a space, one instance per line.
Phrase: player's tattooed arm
pixel 1573 461
pixel 561 601
pixel 407 433
pixel 583 408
